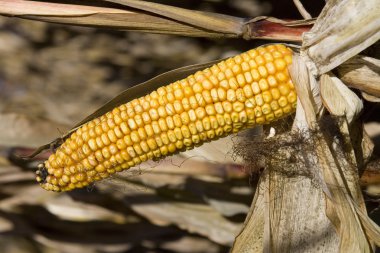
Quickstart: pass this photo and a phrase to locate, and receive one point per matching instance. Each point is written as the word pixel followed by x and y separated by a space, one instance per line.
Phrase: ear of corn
pixel 243 91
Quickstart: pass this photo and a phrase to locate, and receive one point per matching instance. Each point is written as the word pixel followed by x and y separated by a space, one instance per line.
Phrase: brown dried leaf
pixel 363 73
pixel 338 98
pixel 342 30
pixel 66 208
pixel 161 19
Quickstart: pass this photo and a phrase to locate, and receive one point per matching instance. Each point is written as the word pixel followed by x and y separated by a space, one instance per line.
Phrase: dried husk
pixel 363 73
pixel 334 218
pixel 342 30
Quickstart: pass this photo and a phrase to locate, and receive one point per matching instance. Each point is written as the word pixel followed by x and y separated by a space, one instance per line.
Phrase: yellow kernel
pixel 207 96
pixel 213 122
pixel 224 84
pixel 192 115
pixel 193 102
pixel 185 131
pixel 139 121
pixel 233 83
pixel 227 119
pixel 274 105
pixel 275 93
pixel 260 60
pixel 92 144
pixel 219 108
pixel 153 114
pixel 227 107
pixel 185 119
pixel 206 123
pixel 235 117
pixel 142 133
pixel 247 91
pixel 188 91
pixel 255 88
pixel 111 135
pixel 152 144
pixel 124 128
pixel 144 146
pixel 220 120
pixel 270 117
pixel 278 113
pixel 248 77
pixel 100 168
pixel 99 156
pixel 172 148
pixel 282 101
pixel 266 109
pixel 250 103
pixel 243 117
pixel 281 77
pixel 210 110
pixel 164 138
pixel 200 100
pixel 137 149
pixel 258 112
pixel 178 133
pixel 252 53
pixel 207 85
pixel 263 71
pixel 185 104
pixel 86 149
pixel 169 122
pixel 177 120
pixel 222 94
pixel 170 109
pixel 214 95
pixel 231 96
pixel 162 126
pixel 132 124
pixel 238 106
pixel 240 95
pixel 272 81
pixel 106 153
pixel 267 96
pixel 200 112
pixel 280 64
pixel 292 97
pixel 255 75
pixel 178 94
pixel 127 140
pixel 197 88
pixel 178 106
pixel 146 118
pixel 284 89
pixel 260 120
pixel 287 109
pixel 170 97
pixel 259 99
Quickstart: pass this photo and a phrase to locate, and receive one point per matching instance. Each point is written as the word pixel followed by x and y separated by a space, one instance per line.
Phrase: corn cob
pixel 249 89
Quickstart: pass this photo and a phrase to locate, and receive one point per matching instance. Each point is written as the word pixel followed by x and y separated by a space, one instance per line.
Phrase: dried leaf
pixel 363 73
pixel 338 99
pixel 342 30
pixel 208 21
pixel 65 208
pixel 124 19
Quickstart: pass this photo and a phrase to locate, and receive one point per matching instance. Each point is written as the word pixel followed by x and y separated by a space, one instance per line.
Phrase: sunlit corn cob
pixel 246 90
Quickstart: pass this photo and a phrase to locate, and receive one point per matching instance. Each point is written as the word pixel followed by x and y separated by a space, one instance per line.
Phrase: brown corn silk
pixel 252 88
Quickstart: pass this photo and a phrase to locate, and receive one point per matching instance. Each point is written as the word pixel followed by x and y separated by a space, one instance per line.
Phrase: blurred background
pixel 52 76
